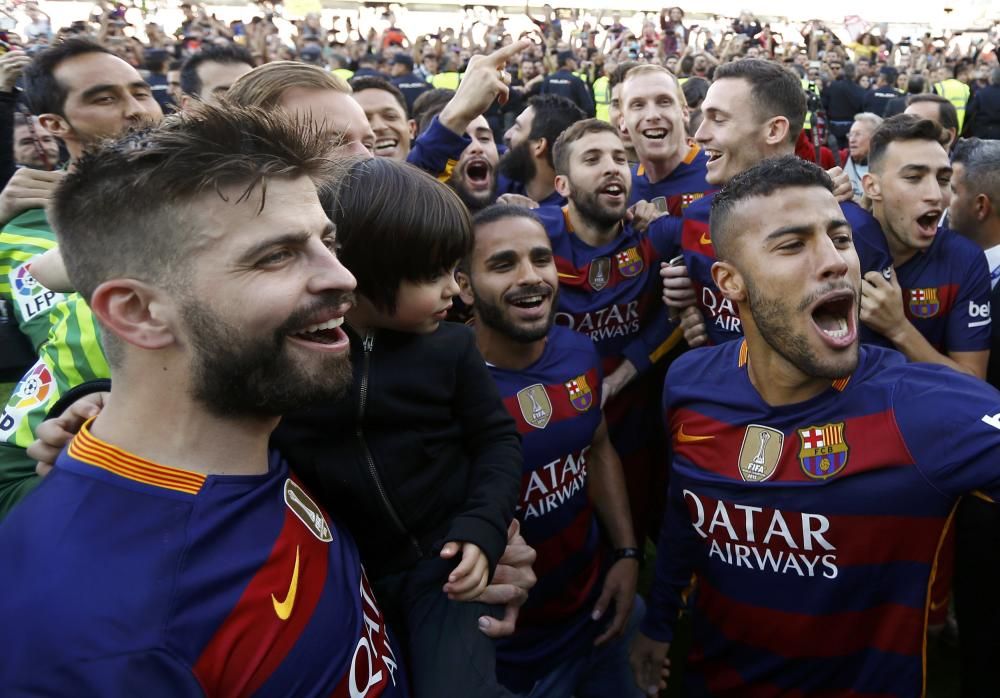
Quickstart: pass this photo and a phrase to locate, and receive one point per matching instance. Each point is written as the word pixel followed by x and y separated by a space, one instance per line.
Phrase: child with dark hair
pixel 423 442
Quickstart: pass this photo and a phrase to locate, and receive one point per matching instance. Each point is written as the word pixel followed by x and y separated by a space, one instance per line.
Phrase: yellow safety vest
pixel 807 124
pixel 956 92
pixel 343 73
pixel 602 98
pixel 446 81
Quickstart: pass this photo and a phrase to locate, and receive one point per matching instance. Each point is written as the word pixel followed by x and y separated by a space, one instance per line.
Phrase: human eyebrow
pixel 294 239
pixel 502 257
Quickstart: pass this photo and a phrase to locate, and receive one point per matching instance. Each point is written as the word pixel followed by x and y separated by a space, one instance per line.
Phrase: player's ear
pixel 777 130
pixel 464 287
pixel 136 312
pixel 872 186
pixel 562 185
pixel 729 281
pixel 539 146
pixel 413 128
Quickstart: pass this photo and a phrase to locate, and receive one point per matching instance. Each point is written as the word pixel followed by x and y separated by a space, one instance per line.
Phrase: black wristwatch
pixel 629 554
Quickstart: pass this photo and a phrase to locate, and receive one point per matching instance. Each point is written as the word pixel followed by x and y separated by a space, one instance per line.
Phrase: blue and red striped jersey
pixel 722 318
pixel 946 293
pixel 134 578
pixel 556 403
pixel 685 185
pixel 612 293
pixel 812 531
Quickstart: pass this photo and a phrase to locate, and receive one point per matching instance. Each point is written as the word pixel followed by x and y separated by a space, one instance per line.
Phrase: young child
pixel 426 469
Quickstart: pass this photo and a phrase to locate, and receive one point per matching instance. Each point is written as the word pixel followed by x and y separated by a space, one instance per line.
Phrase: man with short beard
pixel 562 647
pixel 811 480
pixel 610 291
pixel 527 168
pixel 221 310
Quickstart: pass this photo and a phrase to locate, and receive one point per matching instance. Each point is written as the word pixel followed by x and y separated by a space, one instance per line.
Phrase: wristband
pixel 629 554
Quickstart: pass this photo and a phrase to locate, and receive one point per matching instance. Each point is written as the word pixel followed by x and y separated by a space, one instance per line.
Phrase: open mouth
pixel 655 134
pixel 834 318
pixel 928 223
pixel 477 174
pixel 528 302
pixel 328 333
pixel 713 155
pixel 385 146
pixel 615 188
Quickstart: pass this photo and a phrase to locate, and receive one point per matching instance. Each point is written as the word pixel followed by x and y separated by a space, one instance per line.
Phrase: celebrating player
pixel 810 482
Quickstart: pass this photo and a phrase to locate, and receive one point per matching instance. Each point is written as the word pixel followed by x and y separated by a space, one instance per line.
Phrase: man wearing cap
pixel 402 76
pixel 564 83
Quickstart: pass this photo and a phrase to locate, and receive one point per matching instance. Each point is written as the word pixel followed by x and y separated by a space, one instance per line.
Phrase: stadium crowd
pixel 358 361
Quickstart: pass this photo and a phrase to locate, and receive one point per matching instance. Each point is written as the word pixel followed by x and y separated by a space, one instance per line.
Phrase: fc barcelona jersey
pixel 612 293
pixel 946 293
pixel 722 319
pixel 123 577
pixel 812 530
pixel 556 404
pixel 685 185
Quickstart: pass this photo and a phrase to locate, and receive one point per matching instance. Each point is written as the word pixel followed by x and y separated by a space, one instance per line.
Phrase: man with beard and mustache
pixel 610 292
pixel 458 146
pixel 82 93
pixel 572 478
pixel 221 306
pixel 812 478
pixel 527 168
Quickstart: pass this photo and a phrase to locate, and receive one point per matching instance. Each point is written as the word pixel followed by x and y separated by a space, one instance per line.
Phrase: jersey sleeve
pixel 150 673
pixel 950 423
pixel 437 150
pixel 658 336
pixel 665 234
pixel 969 320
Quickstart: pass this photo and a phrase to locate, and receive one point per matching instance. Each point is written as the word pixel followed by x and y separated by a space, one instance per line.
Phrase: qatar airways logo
pixel 373 663
pixel 721 311
pixel 619 320
pixel 550 486
pixel 764 540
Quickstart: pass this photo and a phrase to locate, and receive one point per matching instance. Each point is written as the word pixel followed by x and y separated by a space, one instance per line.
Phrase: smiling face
pixel 598 181
pixel 29 147
pixel 511 280
pixel 910 187
pixel 265 302
pixel 654 116
pixel 393 131
pixel 732 133
pixel 795 273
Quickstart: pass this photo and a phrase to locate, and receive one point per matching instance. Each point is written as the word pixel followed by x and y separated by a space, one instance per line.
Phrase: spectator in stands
pixel 563 82
pixel 983 116
pixel 939 110
pixel 856 160
pixel 207 75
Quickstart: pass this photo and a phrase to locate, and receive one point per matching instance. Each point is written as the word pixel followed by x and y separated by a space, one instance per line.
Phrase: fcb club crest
pixel 688 199
pixel 629 262
pixel 924 302
pixel 580 395
pixel 600 273
pixel 760 452
pixel 536 408
pixel 823 451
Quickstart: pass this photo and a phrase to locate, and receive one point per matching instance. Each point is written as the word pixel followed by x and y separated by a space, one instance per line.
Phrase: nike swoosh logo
pixel 688 438
pixel 705 240
pixel 283 609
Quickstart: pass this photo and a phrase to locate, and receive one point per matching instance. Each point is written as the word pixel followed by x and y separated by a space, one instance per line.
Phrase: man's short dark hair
pixel 396 223
pixel 902 127
pixel 980 160
pixel 774 91
pixel 45 94
pixel 428 105
pixel 492 214
pixel 125 209
pixel 916 85
pixel 890 74
pixel 227 54
pixel 562 149
pixel 553 115
pixel 947 114
pixel 763 179
pixel 373 82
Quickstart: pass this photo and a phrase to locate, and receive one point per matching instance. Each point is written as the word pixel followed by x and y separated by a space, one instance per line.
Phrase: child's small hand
pixel 469 579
